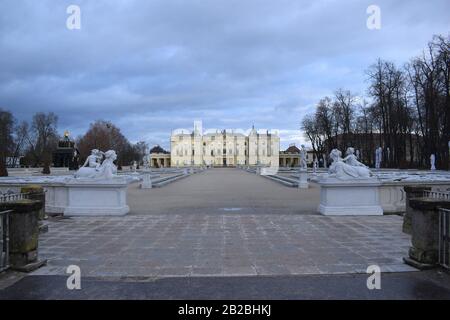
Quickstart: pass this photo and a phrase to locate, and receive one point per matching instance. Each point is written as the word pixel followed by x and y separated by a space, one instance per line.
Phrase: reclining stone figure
pixel 107 170
pixel 348 168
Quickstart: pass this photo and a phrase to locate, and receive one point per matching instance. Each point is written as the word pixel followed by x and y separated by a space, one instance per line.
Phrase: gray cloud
pixel 153 66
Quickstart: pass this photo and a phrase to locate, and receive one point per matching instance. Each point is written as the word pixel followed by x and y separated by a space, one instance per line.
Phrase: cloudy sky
pixel 151 66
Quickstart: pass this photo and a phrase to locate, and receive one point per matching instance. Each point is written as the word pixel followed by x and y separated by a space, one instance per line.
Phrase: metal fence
pixel 4 240
pixel 13 197
pixel 445 195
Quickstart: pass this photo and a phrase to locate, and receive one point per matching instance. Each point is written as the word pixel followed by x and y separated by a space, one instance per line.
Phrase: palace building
pixel 224 147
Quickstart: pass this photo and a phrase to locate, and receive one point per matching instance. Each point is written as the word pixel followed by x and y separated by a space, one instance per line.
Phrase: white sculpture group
pixel 348 167
pixel 96 169
pixel 349 188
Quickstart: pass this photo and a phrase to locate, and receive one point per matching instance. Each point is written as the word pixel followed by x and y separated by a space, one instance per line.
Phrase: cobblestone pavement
pixel 228 244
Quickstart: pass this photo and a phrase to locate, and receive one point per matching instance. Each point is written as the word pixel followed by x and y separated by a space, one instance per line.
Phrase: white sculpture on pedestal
pixel 147 161
pixel 433 162
pixel 107 170
pixel 303 164
pixel 349 188
pixel 97 190
pixel 315 165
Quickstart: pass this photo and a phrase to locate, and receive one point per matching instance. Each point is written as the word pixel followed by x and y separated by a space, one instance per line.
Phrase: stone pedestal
pixel 90 197
pixel 23 234
pixel 303 179
pixel 56 197
pixel 146 181
pixel 424 252
pixel 411 192
pixel 392 197
pixel 359 197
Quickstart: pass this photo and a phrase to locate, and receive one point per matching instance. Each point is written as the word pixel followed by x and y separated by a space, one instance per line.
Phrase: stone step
pixel 166 180
pixel 282 180
pixel 287 179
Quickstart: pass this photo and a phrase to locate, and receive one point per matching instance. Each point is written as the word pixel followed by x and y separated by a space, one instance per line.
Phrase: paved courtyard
pixel 222 190
pixel 223 222
pixel 223 244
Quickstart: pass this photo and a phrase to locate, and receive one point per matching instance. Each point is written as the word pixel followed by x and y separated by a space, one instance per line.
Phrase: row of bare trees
pixel 408 114
pixel 32 145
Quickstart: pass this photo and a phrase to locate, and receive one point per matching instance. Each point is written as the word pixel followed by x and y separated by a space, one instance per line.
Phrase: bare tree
pixel 104 135
pixel 21 133
pixel 314 133
pixel 43 139
pixel 324 117
pixel 345 109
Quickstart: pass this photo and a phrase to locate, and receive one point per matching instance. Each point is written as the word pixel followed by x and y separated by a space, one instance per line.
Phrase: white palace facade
pixel 224 147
